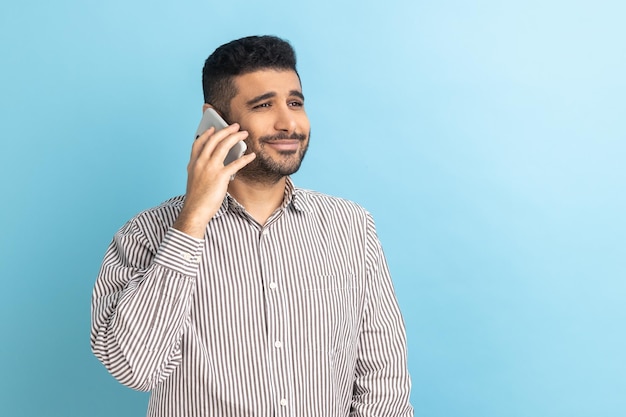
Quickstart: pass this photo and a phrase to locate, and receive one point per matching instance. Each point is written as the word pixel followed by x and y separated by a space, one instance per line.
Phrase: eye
pixel 262 105
pixel 296 103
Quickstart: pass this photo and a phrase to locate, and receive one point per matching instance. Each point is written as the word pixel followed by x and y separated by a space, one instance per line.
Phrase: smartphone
pixel 210 118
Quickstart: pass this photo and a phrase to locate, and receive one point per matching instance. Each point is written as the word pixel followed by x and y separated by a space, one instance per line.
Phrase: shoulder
pixel 154 222
pixel 164 214
pixel 342 220
pixel 319 203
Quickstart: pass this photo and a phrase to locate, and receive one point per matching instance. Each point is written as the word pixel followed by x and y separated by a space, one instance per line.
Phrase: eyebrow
pixel 272 94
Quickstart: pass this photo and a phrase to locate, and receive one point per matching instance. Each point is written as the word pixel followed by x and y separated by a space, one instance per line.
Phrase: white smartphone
pixel 210 118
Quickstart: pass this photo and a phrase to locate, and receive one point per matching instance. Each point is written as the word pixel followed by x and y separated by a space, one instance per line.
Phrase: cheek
pixel 304 124
pixel 255 127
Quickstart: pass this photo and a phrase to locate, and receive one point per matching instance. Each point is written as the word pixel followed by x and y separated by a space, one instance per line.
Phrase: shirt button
pixel 188 257
pixel 273 285
pixel 278 344
pixel 283 402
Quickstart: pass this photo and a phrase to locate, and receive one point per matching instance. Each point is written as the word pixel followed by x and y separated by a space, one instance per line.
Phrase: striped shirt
pixel 294 318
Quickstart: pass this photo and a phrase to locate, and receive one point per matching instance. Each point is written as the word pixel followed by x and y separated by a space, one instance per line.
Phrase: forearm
pixel 382 384
pixel 139 315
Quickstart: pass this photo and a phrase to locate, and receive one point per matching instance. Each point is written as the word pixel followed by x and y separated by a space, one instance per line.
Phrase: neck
pixel 260 199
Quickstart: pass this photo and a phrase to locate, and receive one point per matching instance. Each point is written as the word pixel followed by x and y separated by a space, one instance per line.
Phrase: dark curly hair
pixel 239 57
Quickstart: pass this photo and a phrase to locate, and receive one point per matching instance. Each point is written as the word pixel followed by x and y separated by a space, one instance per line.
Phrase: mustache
pixel 282 136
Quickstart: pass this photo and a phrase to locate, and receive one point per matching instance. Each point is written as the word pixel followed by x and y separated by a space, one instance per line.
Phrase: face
pixel 269 104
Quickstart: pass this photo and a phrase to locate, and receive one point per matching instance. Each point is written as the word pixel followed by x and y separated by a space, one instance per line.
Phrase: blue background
pixel 486 137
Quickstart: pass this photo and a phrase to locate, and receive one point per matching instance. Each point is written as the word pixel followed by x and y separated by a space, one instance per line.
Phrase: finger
pixel 232 168
pixel 222 148
pixel 200 141
pixel 209 143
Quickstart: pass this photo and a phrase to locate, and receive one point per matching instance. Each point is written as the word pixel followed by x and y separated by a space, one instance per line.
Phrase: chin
pixel 267 169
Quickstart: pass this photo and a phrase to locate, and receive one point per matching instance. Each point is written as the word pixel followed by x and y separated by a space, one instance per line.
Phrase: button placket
pixel 276 322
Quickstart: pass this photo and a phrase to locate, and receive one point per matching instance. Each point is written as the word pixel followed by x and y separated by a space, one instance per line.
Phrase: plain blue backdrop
pixel 486 137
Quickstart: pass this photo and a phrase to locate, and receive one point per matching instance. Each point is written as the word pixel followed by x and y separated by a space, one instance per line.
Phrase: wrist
pixel 192 224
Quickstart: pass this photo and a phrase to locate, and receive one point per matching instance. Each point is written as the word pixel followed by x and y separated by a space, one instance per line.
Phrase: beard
pixel 270 169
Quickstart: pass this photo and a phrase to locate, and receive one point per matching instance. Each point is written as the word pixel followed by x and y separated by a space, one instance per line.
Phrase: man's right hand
pixel 208 178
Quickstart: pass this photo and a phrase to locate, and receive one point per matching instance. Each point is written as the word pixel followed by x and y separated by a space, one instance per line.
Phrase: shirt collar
pixel 298 198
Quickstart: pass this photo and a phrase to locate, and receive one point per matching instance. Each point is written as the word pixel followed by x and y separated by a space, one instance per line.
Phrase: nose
pixel 285 120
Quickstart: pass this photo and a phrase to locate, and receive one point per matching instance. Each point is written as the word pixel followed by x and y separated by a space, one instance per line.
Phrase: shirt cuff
pixel 180 252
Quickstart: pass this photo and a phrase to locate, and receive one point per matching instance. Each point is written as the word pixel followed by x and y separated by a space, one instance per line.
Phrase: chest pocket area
pixel 330 310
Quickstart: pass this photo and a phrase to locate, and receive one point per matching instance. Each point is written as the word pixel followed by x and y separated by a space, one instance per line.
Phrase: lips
pixel 284 145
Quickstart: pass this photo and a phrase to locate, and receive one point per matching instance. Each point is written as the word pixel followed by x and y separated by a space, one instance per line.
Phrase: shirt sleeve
pixel 382 384
pixel 141 303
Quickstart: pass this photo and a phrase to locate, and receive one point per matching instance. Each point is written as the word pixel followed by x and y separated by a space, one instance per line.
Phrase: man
pixel 249 296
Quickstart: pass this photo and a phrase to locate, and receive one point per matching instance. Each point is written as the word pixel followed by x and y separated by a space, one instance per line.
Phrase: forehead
pixel 253 84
